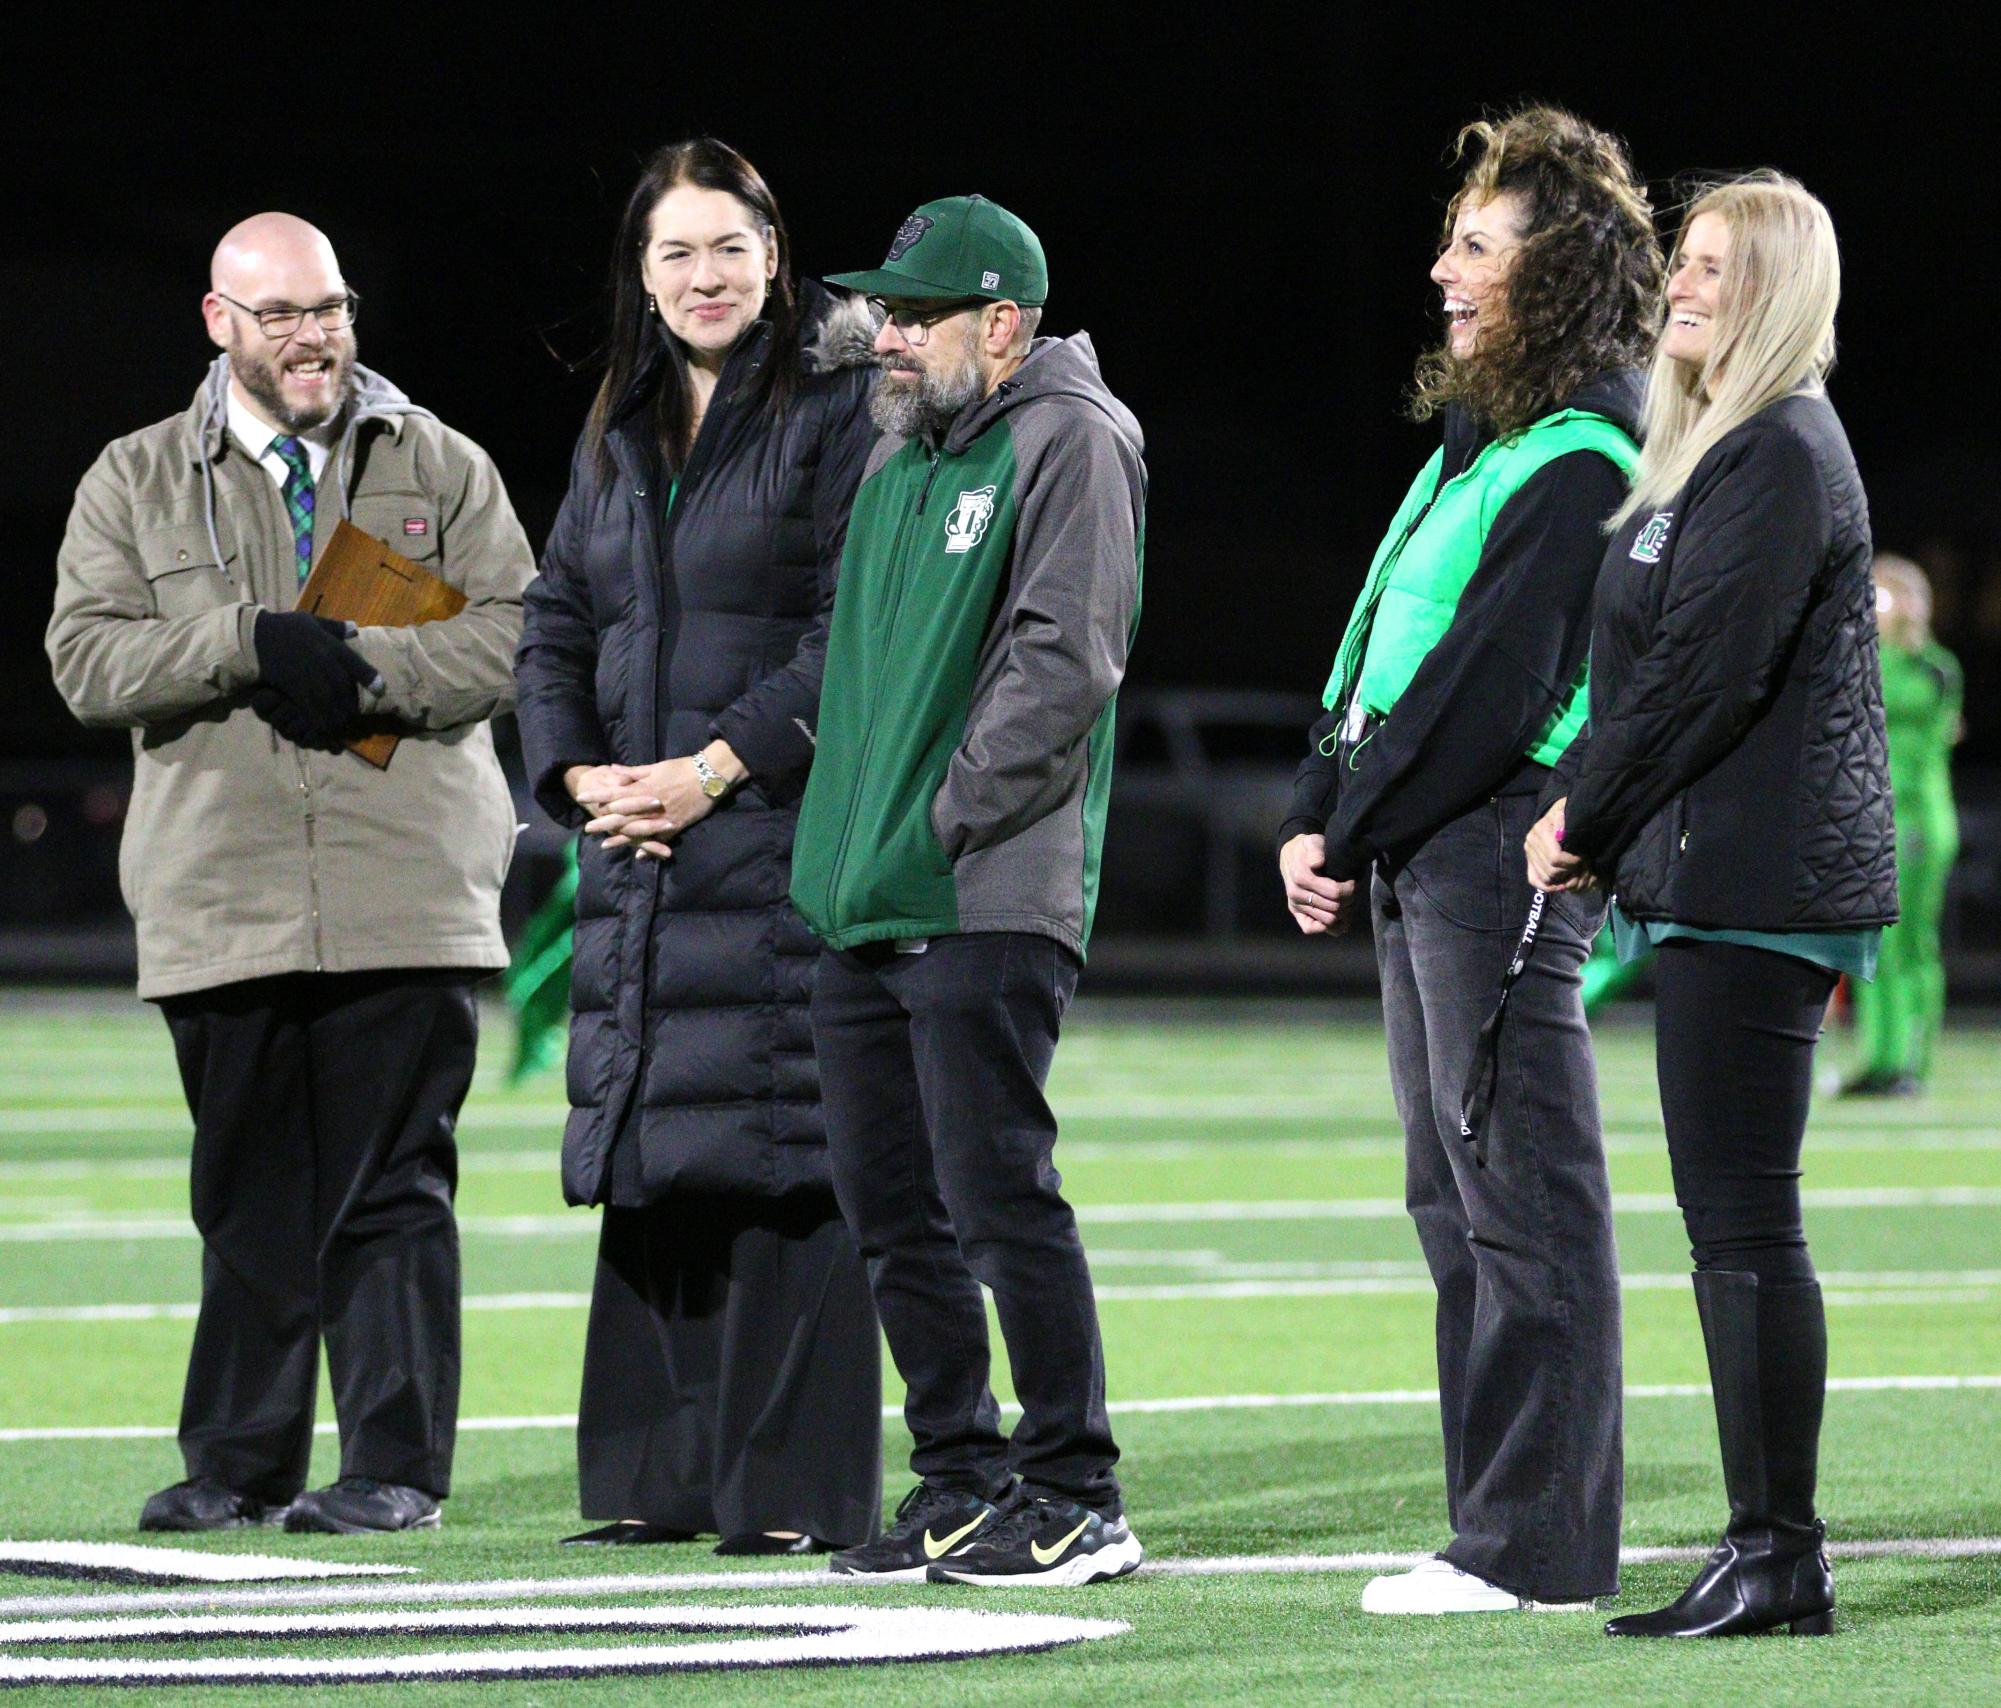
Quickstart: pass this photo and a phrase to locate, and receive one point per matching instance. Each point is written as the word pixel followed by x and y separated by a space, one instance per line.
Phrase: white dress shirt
pixel 257 439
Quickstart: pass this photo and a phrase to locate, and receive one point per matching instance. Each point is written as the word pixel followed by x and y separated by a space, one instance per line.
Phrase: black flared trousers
pixel 1521 1251
pixel 732 1370
pixel 325 1163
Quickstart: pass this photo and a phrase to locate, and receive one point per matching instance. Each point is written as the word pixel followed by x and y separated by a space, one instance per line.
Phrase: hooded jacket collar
pixel 1617 394
pixel 373 399
pixel 1054 367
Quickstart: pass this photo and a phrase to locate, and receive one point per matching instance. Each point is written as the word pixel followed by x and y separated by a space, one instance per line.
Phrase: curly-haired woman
pixel 1459 682
pixel 1734 790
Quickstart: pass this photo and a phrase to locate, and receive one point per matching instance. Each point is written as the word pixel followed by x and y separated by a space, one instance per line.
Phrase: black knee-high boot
pixel 1767 1344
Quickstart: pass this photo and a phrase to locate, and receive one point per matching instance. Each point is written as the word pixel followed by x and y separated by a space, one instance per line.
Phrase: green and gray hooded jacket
pixel 989 595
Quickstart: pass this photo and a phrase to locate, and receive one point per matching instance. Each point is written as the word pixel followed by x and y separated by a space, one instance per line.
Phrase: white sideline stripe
pixel 1311 1107
pixel 738 1637
pixel 1842 1287
pixel 806 1577
pixel 1244 1565
pixel 1619 1141
pixel 93 1226
pixel 1187 1403
pixel 164 1565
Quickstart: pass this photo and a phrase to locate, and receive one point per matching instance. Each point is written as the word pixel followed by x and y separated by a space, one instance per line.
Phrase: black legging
pixel 1734 1036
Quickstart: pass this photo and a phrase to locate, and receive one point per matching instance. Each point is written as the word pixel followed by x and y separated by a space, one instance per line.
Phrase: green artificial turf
pixel 1165 1107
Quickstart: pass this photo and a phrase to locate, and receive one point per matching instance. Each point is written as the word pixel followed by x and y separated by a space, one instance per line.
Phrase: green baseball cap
pixel 963 246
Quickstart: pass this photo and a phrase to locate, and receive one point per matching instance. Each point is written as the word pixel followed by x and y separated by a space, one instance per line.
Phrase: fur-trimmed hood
pixel 836 329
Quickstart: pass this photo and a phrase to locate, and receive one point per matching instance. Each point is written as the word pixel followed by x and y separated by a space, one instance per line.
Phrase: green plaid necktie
pixel 298 501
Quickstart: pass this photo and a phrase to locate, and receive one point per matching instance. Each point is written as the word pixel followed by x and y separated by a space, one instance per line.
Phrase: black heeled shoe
pixel 1756 1581
pixel 759 1543
pixel 627 1533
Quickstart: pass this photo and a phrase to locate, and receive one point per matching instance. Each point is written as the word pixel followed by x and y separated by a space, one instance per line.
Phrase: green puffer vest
pixel 1431 551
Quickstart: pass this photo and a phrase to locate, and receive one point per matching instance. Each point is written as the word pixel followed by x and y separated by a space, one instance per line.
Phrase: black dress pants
pixel 931 1073
pixel 324 1169
pixel 1735 1029
pixel 732 1370
pixel 1521 1251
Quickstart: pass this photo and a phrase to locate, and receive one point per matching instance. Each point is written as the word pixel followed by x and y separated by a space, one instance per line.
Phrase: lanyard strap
pixel 1477 1100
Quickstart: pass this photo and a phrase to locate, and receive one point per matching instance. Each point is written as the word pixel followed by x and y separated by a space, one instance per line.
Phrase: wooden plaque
pixel 360 580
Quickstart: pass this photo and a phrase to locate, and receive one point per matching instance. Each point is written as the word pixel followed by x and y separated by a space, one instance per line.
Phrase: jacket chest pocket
pixel 405 522
pixel 182 573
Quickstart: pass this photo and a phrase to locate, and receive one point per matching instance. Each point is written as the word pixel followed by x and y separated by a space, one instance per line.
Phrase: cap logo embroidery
pixel 416 525
pixel 969 519
pixel 1652 539
pixel 988 281
pixel 908 235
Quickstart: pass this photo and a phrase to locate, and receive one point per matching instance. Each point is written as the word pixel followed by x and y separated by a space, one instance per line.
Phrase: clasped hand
pixel 1549 867
pixel 640 806
pixel 1318 903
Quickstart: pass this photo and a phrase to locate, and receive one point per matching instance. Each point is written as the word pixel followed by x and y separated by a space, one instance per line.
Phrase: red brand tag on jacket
pixel 416 525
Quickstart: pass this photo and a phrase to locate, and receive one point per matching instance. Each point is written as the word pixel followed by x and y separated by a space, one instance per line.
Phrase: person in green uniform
pixel 1897 1018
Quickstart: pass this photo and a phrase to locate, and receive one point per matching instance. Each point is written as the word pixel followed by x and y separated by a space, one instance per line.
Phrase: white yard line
pixel 110 1226
pixel 568 1589
pixel 1232 1281
pixel 1158 1152
pixel 1150 1407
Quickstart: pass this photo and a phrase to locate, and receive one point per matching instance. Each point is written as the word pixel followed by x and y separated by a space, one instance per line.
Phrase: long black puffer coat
pixel 1734 772
pixel 648 633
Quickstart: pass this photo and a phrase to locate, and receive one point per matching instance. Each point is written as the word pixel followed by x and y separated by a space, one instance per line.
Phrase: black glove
pixel 310 678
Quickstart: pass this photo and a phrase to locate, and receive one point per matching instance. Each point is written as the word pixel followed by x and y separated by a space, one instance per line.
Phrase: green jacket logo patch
pixel 1652 540
pixel 969 519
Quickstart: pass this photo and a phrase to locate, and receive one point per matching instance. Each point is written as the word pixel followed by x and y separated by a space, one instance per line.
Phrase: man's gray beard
pixel 260 380
pixel 924 409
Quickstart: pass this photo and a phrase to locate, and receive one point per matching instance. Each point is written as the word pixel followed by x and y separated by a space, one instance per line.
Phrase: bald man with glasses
pixel 310 926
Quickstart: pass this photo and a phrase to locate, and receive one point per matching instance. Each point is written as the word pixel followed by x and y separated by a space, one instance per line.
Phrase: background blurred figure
pixel 732 1374
pixel 1897 1018
pixel 311 927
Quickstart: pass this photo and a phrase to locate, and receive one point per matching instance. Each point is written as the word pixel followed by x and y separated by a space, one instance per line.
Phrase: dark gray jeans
pixel 1521 1251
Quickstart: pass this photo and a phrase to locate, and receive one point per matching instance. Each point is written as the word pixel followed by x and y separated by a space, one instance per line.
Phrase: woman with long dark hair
pixel 669 677
pixel 1458 683
pixel 1733 790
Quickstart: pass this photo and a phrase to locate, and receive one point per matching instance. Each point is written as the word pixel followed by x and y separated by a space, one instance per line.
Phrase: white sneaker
pixel 1438 1586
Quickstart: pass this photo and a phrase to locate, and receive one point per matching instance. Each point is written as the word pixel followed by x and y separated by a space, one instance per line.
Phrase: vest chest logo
pixel 1652 540
pixel 969 519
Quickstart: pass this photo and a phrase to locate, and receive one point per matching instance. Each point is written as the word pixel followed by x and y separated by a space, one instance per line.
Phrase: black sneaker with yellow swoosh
pixel 1038 1543
pixel 930 1525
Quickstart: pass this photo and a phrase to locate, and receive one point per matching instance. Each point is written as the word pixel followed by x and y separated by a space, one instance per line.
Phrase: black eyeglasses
pixel 335 315
pixel 913 325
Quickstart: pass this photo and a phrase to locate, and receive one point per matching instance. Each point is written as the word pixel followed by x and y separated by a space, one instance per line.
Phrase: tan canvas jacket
pixel 242 854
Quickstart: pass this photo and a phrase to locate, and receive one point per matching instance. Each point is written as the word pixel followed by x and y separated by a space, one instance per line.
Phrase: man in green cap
pixel 948 854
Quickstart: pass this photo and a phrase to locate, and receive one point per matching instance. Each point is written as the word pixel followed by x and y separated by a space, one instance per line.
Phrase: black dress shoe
pixel 202 1503
pixel 759 1543
pixel 628 1533
pixel 358 1506
pixel 1756 1580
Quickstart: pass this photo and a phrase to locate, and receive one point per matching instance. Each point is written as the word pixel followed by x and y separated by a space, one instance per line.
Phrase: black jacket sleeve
pixel 1313 784
pixel 1484 692
pixel 771 725
pixel 555 668
pixel 1754 531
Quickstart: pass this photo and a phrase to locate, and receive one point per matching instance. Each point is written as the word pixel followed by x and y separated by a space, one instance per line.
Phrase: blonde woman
pixel 1733 794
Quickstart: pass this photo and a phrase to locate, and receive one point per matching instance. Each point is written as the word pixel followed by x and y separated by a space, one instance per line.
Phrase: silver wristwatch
pixel 712 780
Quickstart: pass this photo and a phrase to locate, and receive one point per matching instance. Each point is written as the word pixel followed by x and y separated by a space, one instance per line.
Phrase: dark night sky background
pixel 1243 220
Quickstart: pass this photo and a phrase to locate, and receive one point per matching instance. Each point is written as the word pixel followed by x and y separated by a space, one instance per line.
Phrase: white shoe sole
pixel 1115 1560
pixel 1500 1603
